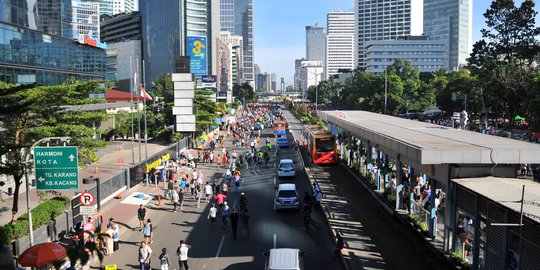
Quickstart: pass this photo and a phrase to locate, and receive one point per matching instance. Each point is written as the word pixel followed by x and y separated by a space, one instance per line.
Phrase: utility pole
pixel 385 88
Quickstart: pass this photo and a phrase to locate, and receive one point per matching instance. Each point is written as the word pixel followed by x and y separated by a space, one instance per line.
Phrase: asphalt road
pixel 214 248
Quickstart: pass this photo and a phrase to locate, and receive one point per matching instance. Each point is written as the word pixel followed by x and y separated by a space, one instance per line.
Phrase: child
pixel 164 259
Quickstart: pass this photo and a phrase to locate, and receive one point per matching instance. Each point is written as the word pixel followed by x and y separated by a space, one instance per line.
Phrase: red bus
pixel 322 147
pixel 280 128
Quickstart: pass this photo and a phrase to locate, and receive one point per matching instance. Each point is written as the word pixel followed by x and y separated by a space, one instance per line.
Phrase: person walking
pixel 218 162
pixel 198 195
pixel 116 234
pixel 208 191
pixel 175 199
pixel 234 217
pixel 164 259
pixel 224 188
pixel 147 232
pixel 225 215
pixel 212 215
pixel 182 253
pixel 220 199
pixel 145 255
pixel 141 213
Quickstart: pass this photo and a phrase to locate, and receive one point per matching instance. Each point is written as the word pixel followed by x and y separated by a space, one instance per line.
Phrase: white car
pixel 286 197
pixel 286 168
pixel 284 259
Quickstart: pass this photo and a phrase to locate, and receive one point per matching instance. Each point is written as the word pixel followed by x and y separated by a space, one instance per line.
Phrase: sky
pixel 280 35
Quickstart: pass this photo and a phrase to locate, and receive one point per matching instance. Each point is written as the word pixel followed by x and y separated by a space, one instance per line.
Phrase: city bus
pixel 280 128
pixel 322 148
pixel 307 129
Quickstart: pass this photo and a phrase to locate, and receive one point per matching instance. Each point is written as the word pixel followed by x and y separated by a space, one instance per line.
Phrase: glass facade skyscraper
pixel 451 21
pixel 236 16
pixel 162 36
pixel 36 45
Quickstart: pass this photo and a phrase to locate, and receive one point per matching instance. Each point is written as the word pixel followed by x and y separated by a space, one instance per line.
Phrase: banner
pixel 197 53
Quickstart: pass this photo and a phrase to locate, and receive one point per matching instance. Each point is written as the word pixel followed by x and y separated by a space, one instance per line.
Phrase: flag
pixel 145 94
pixel 135 82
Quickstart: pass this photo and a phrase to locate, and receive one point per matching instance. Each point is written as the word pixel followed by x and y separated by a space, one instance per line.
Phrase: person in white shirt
pixel 207 191
pixel 212 214
pixel 182 252
pixel 145 252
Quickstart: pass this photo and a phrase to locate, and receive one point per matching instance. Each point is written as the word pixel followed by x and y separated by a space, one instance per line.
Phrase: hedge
pixel 41 215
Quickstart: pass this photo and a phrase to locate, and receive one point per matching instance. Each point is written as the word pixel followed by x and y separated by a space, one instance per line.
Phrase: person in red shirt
pixel 220 199
pixel 218 162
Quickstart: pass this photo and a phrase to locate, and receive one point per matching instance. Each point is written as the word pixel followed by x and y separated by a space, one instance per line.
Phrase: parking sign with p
pixel 87 198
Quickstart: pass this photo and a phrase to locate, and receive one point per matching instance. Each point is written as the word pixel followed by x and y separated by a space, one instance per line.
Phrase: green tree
pixel 457 88
pixel 325 92
pixel 206 110
pixel 163 90
pixel 243 92
pixel 30 113
pixel 504 60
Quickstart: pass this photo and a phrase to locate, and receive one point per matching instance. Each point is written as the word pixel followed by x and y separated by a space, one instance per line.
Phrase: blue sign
pixel 209 78
pixel 197 53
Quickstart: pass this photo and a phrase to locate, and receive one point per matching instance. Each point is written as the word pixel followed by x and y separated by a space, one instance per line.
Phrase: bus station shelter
pixel 430 154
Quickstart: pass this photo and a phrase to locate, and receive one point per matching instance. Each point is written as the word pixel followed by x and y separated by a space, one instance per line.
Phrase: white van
pixel 284 259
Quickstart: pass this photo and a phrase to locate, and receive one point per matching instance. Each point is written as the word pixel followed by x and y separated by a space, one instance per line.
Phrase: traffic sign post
pixel 56 168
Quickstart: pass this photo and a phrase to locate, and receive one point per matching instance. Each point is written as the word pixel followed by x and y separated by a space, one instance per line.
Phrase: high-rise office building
pixel 85 20
pixel 202 26
pixel 122 6
pixel 174 28
pixel 121 27
pixel 257 71
pixel 315 43
pixel 123 34
pixel 424 54
pixel 451 21
pixel 310 74
pixel 339 42
pixel 113 7
pixel 237 18
pixel 162 37
pixel 38 46
pixel 385 20
pixel 236 45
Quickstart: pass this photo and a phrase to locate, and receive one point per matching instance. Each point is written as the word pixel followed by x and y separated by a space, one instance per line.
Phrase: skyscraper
pixel 236 45
pixel 315 43
pixel 236 16
pixel 339 42
pixel 451 21
pixel 174 28
pixel 113 7
pixel 86 20
pixel 162 37
pixel 385 20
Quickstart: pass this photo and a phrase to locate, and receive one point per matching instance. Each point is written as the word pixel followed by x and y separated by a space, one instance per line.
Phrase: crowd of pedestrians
pixel 247 152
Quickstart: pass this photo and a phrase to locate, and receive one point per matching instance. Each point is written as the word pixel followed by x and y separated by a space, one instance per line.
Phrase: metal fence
pixel 137 173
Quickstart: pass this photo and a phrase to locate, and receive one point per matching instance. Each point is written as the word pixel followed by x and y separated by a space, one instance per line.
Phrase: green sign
pixel 56 168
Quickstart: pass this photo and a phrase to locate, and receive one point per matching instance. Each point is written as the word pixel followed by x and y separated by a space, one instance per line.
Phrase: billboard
pixel 197 53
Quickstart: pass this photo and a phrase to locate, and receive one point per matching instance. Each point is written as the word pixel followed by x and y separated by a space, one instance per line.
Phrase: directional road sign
pixel 56 168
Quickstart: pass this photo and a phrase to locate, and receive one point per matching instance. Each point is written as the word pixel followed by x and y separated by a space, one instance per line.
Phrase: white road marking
pixel 274 240
pixel 220 245
pixel 274 181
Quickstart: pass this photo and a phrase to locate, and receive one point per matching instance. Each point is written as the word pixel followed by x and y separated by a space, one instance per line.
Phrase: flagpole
pixel 131 106
pixel 144 104
pixel 138 114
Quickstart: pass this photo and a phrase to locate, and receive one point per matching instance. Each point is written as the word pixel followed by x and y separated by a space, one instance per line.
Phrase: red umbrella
pixel 42 254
